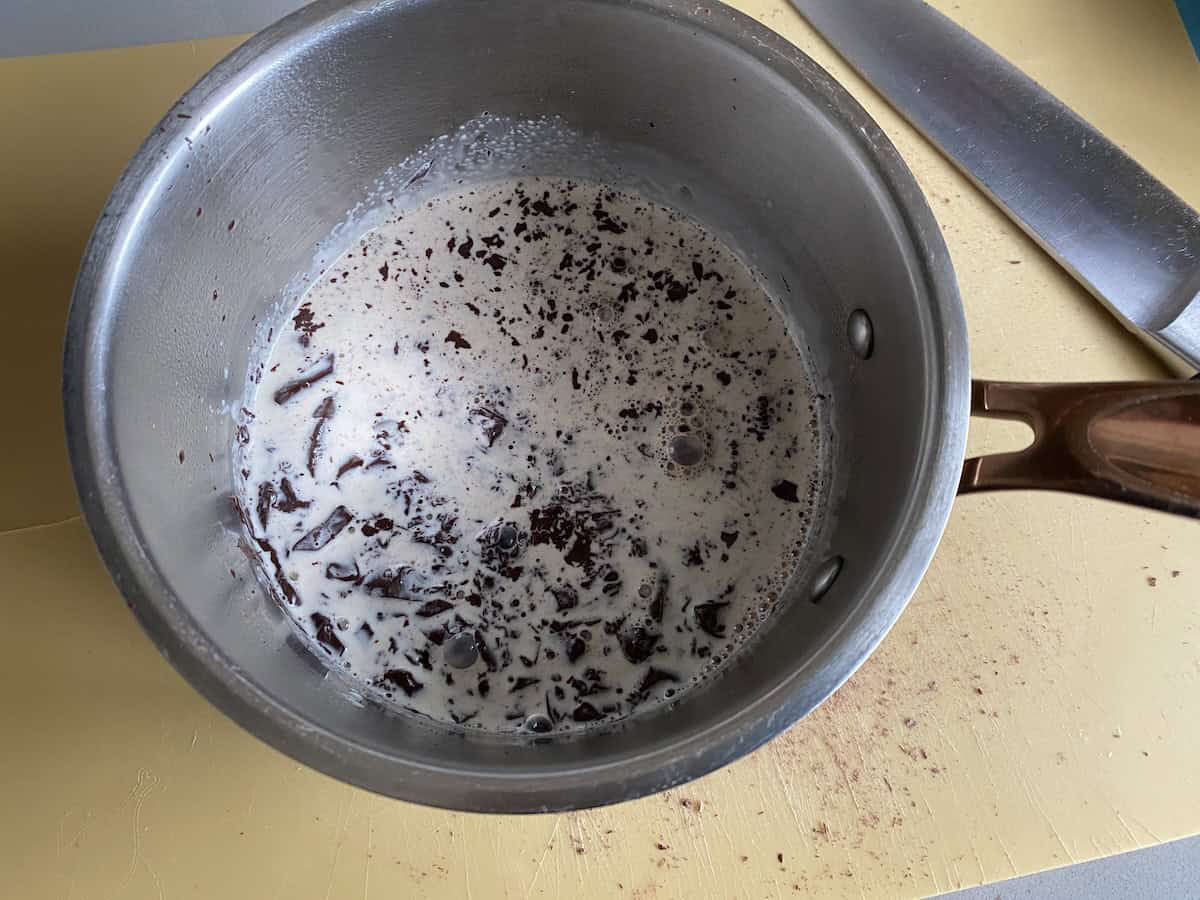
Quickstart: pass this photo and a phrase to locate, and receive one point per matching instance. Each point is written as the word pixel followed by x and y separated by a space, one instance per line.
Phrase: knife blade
pixel 1119 231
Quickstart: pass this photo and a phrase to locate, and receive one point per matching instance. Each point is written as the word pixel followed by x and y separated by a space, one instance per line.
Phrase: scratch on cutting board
pixel 466 865
pixel 542 861
pixel 1140 825
pixel 147 781
pixel 367 861
pixel 343 828
pixel 40 526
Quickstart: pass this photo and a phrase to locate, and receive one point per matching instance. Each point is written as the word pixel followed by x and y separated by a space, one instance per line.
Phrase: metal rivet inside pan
pixel 861 334
pixel 826 575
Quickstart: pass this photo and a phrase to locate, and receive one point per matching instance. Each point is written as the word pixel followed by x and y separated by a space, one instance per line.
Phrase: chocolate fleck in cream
pixel 539 451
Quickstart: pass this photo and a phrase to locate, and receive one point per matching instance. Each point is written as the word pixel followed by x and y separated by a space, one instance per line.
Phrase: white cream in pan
pixel 535 455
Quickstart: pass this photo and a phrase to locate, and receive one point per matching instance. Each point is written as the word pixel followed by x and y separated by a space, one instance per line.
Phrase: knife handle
pixel 1134 442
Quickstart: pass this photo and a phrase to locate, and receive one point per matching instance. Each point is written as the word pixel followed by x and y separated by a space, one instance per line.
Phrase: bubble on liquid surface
pixel 686 450
pixel 461 651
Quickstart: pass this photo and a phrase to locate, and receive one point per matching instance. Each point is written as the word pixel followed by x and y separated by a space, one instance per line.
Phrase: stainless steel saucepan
pixel 248 173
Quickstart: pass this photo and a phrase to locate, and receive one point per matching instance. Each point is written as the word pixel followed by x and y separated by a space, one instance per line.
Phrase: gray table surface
pixel 1168 872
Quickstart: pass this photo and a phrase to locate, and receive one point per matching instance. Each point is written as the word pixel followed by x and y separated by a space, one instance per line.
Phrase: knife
pixel 1118 230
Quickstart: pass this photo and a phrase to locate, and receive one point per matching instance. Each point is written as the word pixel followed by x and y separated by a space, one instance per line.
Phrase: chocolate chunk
pixel 289 592
pixel 266 494
pixel 326 531
pixel 353 462
pixel 496 261
pixel 655 677
pixel 551 524
pixel 398 584
pixel 725 378
pixel 638 643
pixel 607 222
pixel 304 323
pixel 419 658
pixel 327 635
pixel 585 712
pixel 729 538
pixel 459 342
pixel 659 604
pixel 786 490
pixel 288 501
pixel 565 597
pixel 433 608
pixel 708 618
pixel 485 652
pixel 383 271
pixel 762 418
pixel 575 648
pixel 323 413
pixel 650 336
pixel 322 369
pixel 382 523
pixel 404 680
pixel 343 571
pixel 464 249
pixel 490 421
pixel 366 631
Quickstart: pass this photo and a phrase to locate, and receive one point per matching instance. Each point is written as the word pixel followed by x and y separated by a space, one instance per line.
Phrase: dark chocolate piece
pixel 786 490
pixel 576 647
pixel 708 618
pixel 638 643
pixel 326 531
pixel 343 572
pixel 288 502
pixel 659 604
pixel 304 323
pixel 381 523
pixel 327 635
pixel 399 584
pixel 490 421
pixel 266 494
pixel 433 608
pixel 353 462
pixel 323 413
pixel 321 370
pixel 404 680
pixel 654 677
pixel 585 712
pixel 565 597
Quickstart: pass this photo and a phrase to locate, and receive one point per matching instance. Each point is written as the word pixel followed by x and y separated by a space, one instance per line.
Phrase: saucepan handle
pixel 1135 442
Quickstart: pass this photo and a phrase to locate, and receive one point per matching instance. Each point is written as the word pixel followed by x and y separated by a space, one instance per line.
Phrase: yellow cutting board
pixel 1038 704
